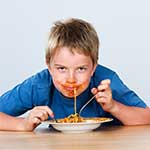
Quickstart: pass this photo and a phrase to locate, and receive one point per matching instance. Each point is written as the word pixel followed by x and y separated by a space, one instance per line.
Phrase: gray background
pixel 123 28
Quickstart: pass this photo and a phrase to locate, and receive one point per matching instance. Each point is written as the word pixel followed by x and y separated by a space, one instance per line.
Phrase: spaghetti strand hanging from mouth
pixel 75 100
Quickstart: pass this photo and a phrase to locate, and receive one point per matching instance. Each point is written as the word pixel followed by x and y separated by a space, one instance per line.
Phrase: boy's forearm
pixel 130 115
pixel 9 123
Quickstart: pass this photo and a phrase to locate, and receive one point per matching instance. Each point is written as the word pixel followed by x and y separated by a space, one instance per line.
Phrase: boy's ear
pixel 49 69
pixel 48 66
pixel 94 68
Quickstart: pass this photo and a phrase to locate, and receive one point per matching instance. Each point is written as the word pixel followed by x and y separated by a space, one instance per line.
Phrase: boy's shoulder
pixel 42 75
pixel 40 79
pixel 103 72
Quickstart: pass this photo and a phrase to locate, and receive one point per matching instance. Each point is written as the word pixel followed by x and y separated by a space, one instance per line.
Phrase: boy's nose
pixel 71 78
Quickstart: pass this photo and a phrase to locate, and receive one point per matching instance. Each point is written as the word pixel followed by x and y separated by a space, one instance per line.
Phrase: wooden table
pixel 112 138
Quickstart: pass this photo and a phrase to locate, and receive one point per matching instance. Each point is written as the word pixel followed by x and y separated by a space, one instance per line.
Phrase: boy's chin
pixel 69 94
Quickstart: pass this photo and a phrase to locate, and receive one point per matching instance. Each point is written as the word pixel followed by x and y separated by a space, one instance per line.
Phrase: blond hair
pixel 75 34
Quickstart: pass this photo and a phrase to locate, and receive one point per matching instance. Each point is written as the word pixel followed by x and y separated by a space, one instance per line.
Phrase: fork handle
pixel 86 103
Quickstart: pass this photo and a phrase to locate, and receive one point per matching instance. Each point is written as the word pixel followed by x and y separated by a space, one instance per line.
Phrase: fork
pixel 86 104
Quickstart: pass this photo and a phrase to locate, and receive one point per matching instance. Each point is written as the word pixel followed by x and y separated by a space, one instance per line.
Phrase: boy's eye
pixel 61 69
pixel 82 69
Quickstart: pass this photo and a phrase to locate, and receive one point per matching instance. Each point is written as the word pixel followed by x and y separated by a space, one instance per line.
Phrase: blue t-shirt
pixel 39 90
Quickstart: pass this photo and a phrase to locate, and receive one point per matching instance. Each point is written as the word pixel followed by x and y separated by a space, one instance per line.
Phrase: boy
pixel 71 58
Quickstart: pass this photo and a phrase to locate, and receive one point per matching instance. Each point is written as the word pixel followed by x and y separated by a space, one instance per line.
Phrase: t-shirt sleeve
pixel 19 99
pixel 123 94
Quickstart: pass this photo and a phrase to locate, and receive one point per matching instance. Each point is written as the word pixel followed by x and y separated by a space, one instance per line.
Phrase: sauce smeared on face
pixel 67 89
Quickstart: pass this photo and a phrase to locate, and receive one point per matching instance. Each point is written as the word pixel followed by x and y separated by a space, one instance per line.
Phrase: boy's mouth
pixel 70 87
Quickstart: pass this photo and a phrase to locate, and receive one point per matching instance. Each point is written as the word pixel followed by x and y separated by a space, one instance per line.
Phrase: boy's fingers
pixel 94 90
pixel 45 110
pixel 106 81
pixel 104 85
pixel 101 100
pixel 36 120
pixel 49 111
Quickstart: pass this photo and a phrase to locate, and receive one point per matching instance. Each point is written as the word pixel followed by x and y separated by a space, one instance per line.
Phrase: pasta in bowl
pixel 77 124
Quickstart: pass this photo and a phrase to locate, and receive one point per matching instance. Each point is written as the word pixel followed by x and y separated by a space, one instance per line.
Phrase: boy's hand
pixel 104 95
pixel 36 116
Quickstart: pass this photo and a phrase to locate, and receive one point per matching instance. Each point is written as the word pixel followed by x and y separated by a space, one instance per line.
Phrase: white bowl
pixel 87 125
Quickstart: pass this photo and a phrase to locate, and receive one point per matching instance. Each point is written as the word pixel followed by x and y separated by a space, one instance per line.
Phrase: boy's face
pixel 70 71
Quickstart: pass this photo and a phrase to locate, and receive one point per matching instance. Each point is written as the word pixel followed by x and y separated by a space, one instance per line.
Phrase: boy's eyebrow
pixel 58 65
pixel 82 65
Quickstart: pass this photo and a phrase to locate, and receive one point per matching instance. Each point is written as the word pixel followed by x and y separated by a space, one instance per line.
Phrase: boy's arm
pixel 130 115
pixel 35 117
pixel 9 123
